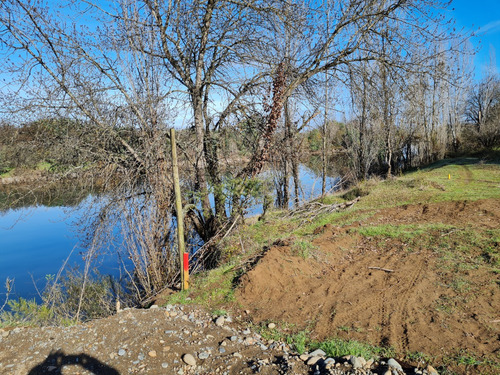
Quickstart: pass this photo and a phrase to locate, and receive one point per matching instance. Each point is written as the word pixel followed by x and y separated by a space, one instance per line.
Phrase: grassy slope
pixel 448 180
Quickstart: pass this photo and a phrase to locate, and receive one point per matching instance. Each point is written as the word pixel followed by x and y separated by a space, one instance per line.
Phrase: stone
pixel 394 364
pixel 189 359
pixel 121 352
pixel 234 338
pixel 203 355
pixel 313 360
pixel 237 355
pixel 317 352
pixel 355 362
pixel 304 357
pixel 164 365
pixel 329 363
pixel 140 357
pixel 152 353
pixel 388 372
pixel 219 322
pixel 431 370
pixel 248 341
pixel 271 326
pixel 247 331
pixel 222 350
pixel 154 307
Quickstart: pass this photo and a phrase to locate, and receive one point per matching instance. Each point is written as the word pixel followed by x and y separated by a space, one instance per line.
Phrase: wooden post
pixel 178 209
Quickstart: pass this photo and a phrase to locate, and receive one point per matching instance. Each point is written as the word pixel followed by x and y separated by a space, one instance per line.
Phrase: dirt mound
pixel 384 290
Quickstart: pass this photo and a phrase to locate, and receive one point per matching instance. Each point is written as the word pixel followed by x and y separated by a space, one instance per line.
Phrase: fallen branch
pixel 380 269
pixel 313 209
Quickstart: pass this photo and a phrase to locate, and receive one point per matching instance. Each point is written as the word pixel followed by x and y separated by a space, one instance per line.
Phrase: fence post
pixel 180 218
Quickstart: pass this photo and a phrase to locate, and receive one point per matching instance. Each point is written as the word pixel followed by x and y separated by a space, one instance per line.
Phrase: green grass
pixel 337 347
pixel 212 289
pixel 403 232
pixel 8 173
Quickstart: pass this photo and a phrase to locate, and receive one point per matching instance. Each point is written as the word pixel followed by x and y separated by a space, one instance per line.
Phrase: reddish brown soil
pixel 337 292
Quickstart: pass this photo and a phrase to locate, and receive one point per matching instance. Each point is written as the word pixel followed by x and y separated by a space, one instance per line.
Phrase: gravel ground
pixel 169 340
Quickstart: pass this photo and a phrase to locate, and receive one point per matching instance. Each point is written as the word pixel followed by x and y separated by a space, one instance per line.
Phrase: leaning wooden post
pixel 180 220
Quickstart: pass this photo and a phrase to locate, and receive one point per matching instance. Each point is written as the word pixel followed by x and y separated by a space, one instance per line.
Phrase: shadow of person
pixel 56 361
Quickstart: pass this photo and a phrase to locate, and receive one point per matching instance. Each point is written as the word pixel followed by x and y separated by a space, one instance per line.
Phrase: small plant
pixel 303 248
pixel 338 347
pixel 299 341
pixel 24 312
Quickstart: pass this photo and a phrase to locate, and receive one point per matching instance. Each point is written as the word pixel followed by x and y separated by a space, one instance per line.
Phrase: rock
pixel 388 372
pixel 164 365
pixel 5 333
pixel 203 355
pixel 140 357
pixel 152 353
pixel 121 352
pixel 237 355
pixel 304 357
pixel 431 370
pixel 312 360
pixel 222 350
pixel 248 341
pixel 189 359
pixel 394 364
pixel 271 326
pixel 317 352
pixel 329 363
pixel 219 322
pixel 247 331
pixel 234 338
pixel 154 307
pixel 356 362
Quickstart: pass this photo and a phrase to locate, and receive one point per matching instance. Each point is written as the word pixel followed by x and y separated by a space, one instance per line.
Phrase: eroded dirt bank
pixel 425 291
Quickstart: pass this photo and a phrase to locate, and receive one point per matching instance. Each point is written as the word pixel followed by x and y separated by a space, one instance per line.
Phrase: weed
pixel 24 312
pixel 338 347
pixel 299 341
pixel 303 248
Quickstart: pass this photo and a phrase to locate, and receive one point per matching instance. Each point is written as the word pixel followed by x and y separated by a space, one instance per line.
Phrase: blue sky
pixel 482 16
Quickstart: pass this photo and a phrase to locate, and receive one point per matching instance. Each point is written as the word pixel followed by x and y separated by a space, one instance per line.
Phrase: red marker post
pixel 186 271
